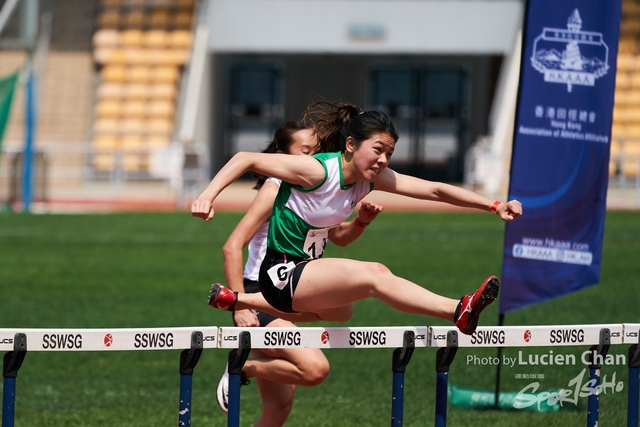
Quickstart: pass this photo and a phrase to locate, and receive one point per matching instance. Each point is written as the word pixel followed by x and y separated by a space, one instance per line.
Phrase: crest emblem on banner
pixel 558 54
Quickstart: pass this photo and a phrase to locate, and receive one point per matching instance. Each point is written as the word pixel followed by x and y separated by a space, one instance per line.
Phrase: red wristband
pixel 494 206
pixel 360 224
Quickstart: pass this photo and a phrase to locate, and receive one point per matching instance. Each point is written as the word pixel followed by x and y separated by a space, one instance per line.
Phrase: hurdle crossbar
pixel 599 337
pixel 191 340
pixel 109 339
pixel 318 337
pixel 404 339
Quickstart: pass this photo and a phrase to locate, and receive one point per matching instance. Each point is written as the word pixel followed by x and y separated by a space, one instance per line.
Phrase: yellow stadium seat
pixel 630 167
pixel 139 74
pixel 108 108
pixel 132 143
pixel 136 91
pixel 135 56
pixel 109 90
pixel 106 37
pixel 617 131
pixel 623 80
pixel 163 91
pixel 161 109
pixel 103 161
pixel 633 97
pixel 166 74
pixel 113 73
pixel 618 115
pixel 105 143
pixel 132 162
pixel 106 126
pixel 156 56
pixel 633 131
pixel 134 109
pixel 161 126
pixel 626 62
pixel 131 38
pixel 180 39
pixel 113 56
pixel 132 126
pixel 633 115
pixel 620 97
pixel 155 39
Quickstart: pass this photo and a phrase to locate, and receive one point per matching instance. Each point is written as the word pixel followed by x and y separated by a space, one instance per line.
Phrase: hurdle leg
pixel 596 356
pixel 188 361
pixel 634 383
pixel 10 366
pixel 444 357
pixel 237 358
pixel 401 357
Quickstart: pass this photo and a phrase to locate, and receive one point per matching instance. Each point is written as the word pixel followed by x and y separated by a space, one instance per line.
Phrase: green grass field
pixel 152 270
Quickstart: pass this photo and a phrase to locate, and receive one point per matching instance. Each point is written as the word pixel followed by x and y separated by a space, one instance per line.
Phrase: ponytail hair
pixel 282 141
pixel 333 123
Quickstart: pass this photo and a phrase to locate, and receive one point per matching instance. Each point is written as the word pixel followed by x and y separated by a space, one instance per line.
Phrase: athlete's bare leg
pixel 256 301
pixel 331 283
pixel 302 366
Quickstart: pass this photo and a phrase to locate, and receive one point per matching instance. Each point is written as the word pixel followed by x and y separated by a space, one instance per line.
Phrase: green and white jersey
pixel 302 217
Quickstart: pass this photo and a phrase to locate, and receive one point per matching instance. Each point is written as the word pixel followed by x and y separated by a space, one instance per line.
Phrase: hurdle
pixel 631 336
pixel 600 337
pixel 404 339
pixel 18 342
pixel 242 340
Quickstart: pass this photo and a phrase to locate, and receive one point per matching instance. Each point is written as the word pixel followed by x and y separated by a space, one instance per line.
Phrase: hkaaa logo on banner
pixel 557 54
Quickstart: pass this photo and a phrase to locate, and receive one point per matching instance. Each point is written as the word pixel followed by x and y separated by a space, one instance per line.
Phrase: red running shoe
pixel 222 298
pixel 471 305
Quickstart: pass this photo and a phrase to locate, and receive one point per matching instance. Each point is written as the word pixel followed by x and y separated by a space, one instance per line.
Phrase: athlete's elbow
pixel 229 249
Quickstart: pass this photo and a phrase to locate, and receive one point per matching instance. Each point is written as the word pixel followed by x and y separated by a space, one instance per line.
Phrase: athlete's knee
pixel 376 274
pixel 315 371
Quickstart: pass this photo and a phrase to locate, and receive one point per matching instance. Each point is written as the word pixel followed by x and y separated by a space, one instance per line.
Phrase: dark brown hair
pixel 334 122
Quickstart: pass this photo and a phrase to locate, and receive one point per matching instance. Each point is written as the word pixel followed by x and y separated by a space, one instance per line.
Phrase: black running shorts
pixel 278 279
pixel 252 287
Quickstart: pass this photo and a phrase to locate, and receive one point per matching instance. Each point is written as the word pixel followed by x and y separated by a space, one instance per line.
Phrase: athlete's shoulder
pixel 326 156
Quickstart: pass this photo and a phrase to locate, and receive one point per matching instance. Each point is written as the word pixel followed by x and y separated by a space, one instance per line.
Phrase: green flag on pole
pixel 7 88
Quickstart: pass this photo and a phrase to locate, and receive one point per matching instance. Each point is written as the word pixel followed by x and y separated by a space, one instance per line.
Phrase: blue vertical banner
pixel 560 159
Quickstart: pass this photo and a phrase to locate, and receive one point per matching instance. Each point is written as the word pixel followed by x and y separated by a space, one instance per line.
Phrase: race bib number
pixel 315 242
pixel 280 274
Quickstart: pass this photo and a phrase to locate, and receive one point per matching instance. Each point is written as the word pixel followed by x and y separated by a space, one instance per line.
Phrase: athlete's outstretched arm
pixel 304 171
pixel 390 181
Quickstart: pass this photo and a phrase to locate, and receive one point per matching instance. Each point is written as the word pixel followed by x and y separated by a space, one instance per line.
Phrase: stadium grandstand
pixel 139 102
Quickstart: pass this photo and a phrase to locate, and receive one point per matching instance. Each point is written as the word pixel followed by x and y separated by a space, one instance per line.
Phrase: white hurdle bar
pixel 632 336
pixel 600 337
pixel 242 340
pixel 191 340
